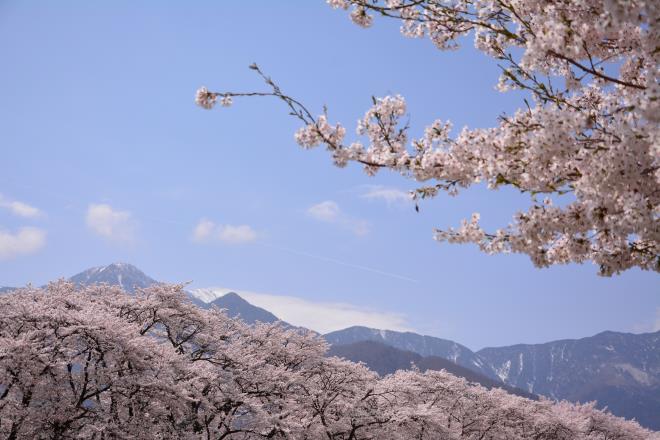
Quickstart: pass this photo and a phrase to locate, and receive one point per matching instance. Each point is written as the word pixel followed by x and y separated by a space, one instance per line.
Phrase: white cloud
pixel 207 231
pixel 236 234
pixel 114 225
pixel 322 317
pixel 203 231
pixel 656 324
pixel 329 212
pixel 392 196
pixel 651 325
pixel 19 208
pixel 26 241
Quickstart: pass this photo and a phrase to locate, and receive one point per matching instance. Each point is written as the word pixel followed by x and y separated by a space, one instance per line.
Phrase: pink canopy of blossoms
pixel 96 363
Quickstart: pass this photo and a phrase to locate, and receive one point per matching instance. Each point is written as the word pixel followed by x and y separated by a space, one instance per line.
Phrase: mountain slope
pixel 422 345
pixel 237 307
pixel 385 359
pixel 619 370
pixel 127 276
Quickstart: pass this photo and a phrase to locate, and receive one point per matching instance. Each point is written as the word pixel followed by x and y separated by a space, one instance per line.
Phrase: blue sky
pixel 100 133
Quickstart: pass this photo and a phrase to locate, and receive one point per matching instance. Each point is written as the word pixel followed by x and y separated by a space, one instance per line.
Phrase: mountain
pixel 127 276
pixel 422 345
pixel 237 307
pixel 130 277
pixel 621 371
pixel 6 289
pixel 385 359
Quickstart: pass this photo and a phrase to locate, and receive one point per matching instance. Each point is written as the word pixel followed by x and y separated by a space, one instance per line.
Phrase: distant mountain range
pixel 621 371
pixel 422 345
pixel 385 359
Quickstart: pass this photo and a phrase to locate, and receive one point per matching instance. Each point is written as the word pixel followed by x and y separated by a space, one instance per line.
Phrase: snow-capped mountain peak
pixel 125 275
pixel 209 294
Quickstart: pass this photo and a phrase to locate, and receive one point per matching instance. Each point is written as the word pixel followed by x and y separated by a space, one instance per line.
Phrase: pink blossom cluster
pixel 96 363
pixel 588 143
pixel 590 139
pixel 207 100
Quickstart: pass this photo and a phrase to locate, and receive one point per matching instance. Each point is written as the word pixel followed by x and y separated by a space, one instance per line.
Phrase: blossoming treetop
pixel 590 134
pixel 96 363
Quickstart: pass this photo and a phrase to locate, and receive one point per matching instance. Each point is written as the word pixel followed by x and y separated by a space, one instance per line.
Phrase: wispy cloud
pixel 111 224
pixel 25 241
pixel 329 212
pixel 319 316
pixel 392 196
pixel 654 325
pixel 650 325
pixel 207 231
pixel 20 209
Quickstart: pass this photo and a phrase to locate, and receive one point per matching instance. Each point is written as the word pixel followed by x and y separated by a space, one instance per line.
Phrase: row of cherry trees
pixel 589 136
pixel 96 363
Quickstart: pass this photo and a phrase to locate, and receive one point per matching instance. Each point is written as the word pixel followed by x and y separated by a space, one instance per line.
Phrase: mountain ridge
pixel 619 370
pixel 423 345
pixel 385 359
pixel 125 275
pixel 237 307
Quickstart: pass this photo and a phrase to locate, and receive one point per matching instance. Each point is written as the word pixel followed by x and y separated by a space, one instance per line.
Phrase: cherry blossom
pixel 97 363
pixel 587 140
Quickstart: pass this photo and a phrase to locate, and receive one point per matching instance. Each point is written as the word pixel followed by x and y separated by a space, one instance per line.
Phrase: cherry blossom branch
pixel 595 72
pixel 589 140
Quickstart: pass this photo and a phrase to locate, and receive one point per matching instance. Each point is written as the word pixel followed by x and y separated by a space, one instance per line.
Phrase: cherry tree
pixel 97 363
pixel 585 146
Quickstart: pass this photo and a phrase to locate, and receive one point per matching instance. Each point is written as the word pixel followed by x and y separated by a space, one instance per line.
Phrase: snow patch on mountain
pixel 210 294
pixel 124 275
pixel 642 377
pixel 503 371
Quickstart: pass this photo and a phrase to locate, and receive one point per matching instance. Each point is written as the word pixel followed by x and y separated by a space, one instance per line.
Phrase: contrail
pixel 341 263
pixel 316 257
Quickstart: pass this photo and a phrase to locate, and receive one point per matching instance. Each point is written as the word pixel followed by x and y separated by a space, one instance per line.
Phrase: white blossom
pixel 226 101
pixel 360 17
pixel 204 98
